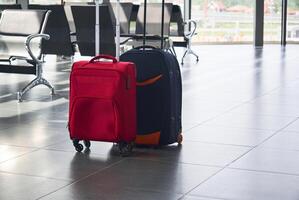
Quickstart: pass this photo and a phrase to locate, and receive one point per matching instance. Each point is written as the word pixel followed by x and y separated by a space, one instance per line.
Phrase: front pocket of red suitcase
pixel 94 119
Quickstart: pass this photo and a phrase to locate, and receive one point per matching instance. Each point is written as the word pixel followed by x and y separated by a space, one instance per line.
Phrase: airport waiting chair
pixel 133 18
pixel 177 19
pixel 70 18
pixel 125 12
pixel 182 35
pixel 153 25
pixel 21 32
pixel 84 18
pixel 9 6
pixel 58 29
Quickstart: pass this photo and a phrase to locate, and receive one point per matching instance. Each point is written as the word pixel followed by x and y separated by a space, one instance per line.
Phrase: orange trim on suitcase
pixel 150 139
pixel 149 81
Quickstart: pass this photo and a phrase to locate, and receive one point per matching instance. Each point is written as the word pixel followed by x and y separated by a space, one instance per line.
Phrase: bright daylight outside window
pixel 55 1
pixel 44 2
pixel 7 1
pixel 293 21
pixel 223 21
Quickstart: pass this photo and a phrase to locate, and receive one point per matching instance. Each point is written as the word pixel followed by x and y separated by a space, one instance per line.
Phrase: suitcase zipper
pixel 126 78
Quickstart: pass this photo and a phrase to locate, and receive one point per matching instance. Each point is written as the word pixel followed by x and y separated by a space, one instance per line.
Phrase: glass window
pixel 78 1
pixel 7 1
pixel 293 21
pixel 44 2
pixel 223 21
pixel 272 21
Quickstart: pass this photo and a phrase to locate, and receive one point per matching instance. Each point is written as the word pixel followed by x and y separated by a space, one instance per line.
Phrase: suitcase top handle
pixel 98 57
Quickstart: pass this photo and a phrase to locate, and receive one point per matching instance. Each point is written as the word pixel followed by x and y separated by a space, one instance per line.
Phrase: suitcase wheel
pixel 180 139
pixel 125 148
pixel 79 147
pixel 87 143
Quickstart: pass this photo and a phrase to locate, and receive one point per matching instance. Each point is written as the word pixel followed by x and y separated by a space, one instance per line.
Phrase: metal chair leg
pixel 35 82
pixel 184 56
pixel 173 50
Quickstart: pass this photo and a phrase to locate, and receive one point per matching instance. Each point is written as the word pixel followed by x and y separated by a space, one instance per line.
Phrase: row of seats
pixel 52 23
pixel 75 23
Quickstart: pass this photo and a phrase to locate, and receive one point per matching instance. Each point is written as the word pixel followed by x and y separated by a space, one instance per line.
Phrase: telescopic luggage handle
pixel 96 58
pixel 162 24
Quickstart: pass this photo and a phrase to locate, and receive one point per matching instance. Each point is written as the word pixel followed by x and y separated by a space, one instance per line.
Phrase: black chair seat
pixel 18 69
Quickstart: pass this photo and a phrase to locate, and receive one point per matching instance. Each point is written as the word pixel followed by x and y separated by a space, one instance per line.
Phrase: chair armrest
pixel 28 48
pixel 192 25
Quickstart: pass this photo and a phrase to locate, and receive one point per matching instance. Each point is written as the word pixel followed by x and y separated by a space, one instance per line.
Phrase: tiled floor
pixel 241 136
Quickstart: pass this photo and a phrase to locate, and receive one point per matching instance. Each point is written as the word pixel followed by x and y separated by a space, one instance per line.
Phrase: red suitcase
pixel 103 103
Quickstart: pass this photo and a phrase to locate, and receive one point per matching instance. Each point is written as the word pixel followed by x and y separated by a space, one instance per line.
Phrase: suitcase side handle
pixel 93 60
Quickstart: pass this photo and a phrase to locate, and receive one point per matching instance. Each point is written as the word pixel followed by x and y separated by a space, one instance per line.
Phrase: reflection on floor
pixel 241 136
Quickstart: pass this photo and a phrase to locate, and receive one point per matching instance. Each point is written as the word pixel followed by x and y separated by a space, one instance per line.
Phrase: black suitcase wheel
pixel 79 147
pixel 180 139
pixel 125 148
pixel 87 143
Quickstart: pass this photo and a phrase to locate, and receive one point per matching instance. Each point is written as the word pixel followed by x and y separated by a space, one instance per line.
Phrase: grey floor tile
pixel 226 135
pixel 267 109
pixel 293 127
pixel 16 187
pixel 33 135
pixel 198 117
pixel 187 125
pixel 10 152
pixel 248 185
pixel 275 99
pixel 284 140
pixel 108 192
pixel 194 153
pixel 251 121
pixel 171 180
pixel 58 164
pixel 191 197
pixel 101 148
pixel 189 152
pixel 270 160
pixel 288 92
pixel 259 90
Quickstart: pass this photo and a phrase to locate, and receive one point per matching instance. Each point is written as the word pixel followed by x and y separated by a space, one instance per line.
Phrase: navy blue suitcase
pixel 159 96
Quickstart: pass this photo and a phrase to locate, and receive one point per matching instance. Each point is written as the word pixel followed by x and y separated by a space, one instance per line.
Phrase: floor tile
pixel 293 127
pixel 10 152
pixel 267 109
pixel 248 185
pixel 141 175
pixel 16 187
pixel 251 121
pixel 58 164
pixel 275 99
pixel 100 148
pixel 206 154
pixel 33 135
pixel 226 135
pixel 95 191
pixel 230 106
pixel 190 197
pixel 284 140
pixel 270 160
pixel 193 153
